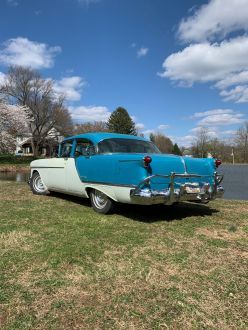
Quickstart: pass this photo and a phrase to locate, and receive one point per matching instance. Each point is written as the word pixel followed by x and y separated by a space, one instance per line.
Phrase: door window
pixel 66 148
pixel 83 148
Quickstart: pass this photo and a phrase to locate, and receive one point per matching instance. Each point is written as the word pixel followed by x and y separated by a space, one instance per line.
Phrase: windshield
pixel 127 146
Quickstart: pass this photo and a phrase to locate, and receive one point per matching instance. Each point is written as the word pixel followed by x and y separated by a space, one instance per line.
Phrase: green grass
pixel 63 266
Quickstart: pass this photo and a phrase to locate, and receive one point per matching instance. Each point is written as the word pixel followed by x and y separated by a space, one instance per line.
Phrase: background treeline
pixel 29 104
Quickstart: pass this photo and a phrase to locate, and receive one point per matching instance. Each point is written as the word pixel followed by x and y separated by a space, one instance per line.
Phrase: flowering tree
pixel 26 87
pixel 13 122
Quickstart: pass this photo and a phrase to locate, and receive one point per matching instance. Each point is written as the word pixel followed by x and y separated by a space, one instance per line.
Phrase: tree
pixel 176 150
pixel 13 121
pixel 200 147
pixel 97 126
pixel 44 108
pixel 164 144
pixel 241 140
pixel 121 122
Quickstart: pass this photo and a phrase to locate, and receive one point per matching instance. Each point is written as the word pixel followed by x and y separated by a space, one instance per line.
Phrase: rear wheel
pixel 100 202
pixel 37 185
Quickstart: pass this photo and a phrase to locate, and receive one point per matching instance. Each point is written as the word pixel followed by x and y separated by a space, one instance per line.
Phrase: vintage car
pixel 109 168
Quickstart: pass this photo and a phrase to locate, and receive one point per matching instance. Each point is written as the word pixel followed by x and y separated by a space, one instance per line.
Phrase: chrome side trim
pixel 108 183
pixel 47 167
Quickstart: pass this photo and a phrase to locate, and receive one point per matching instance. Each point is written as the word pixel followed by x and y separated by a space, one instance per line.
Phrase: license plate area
pixel 192 190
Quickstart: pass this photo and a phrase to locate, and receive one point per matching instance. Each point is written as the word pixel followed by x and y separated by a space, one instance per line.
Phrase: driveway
pixel 235 181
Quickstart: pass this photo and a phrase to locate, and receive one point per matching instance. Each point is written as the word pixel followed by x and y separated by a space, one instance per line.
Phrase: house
pixel 48 148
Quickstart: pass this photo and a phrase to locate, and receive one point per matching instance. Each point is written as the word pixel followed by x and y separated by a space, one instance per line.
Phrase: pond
pixel 14 176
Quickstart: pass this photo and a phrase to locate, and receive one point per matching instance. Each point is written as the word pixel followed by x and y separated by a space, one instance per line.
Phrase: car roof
pixel 96 137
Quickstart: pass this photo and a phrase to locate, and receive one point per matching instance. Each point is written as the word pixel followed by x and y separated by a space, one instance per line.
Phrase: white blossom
pixel 13 122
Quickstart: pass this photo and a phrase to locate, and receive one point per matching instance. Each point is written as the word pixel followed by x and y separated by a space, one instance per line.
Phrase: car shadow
pixel 152 213
pixel 155 213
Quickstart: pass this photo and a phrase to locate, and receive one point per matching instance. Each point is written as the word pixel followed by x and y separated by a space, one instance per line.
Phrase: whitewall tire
pixel 37 186
pixel 100 202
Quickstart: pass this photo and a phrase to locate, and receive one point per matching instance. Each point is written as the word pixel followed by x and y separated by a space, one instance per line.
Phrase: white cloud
pixel 211 112
pixel 225 64
pixel 229 132
pixel 239 94
pixel 88 2
pixel 148 132
pixel 90 113
pixel 12 3
pixel 207 63
pixel 233 79
pixel 185 141
pixel 212 132
pixel 163 127
pixel 217 18
pixel 139 126
pixel 218 117
pixel 70 87
pixel 142 52
pixel 2 78
pixel 133 118
pixel 38 12
pixel 21 51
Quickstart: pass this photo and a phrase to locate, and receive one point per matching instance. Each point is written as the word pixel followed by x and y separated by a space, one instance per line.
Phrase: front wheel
pixel 100 202
pixel 37 185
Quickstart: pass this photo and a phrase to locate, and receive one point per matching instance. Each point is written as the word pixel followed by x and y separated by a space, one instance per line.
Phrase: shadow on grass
pixel 155 213
pixel 152 213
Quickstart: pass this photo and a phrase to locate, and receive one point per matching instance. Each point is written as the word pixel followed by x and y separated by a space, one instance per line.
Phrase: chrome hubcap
pixel 38 185
pixel 100 199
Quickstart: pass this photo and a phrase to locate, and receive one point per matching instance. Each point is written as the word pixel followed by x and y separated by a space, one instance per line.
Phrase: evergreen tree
pixel 176 150
pixel 121 122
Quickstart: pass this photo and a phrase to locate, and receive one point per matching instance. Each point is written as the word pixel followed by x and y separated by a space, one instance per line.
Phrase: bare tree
pixel 96 126
pixel 27 88
pixel 241 140
pixel 164 144
pixel 200 146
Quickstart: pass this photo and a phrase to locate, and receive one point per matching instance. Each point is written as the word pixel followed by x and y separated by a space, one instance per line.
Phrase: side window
pixel 83 148
pixel 66 148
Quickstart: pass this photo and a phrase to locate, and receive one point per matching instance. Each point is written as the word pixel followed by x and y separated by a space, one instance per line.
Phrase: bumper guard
pixel 201 192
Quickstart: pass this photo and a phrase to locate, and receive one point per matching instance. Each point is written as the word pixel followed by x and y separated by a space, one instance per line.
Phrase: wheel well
pixel 88 189
pixel 34 171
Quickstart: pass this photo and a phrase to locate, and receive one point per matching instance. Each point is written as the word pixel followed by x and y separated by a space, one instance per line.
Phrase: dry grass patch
pixel 222 234
pixel 16 240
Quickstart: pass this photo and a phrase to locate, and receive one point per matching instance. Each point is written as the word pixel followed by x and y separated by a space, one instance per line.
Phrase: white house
pixel 49 147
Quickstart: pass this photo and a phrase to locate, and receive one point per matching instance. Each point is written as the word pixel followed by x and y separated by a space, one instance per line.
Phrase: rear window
pixel 126 146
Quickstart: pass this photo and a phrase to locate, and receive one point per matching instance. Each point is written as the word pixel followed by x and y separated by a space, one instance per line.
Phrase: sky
pixel 176 66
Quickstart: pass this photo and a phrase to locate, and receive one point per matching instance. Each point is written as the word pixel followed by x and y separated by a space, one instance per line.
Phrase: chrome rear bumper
pixel 200 192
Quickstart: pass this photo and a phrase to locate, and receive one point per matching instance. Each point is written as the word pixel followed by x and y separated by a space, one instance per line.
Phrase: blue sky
pixel 176 66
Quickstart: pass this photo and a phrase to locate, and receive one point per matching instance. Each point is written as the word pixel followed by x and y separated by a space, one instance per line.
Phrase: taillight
pixel 218 162
pixel 147 160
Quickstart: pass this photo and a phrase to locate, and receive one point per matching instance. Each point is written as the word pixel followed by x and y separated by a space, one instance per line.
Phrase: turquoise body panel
pixel 127 169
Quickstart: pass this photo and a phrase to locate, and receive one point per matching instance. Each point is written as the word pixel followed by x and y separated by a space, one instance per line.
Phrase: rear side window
pixel 126 146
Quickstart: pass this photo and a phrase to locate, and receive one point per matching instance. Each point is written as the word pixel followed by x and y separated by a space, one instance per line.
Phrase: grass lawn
pixel 62 266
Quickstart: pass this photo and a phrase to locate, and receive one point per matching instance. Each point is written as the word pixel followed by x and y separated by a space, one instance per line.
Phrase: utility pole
pixel 232 154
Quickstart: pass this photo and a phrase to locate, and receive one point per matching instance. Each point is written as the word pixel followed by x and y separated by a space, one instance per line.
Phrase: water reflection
pixel 14 176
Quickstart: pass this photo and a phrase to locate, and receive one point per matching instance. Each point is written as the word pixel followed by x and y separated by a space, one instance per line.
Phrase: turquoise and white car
pixel 109 168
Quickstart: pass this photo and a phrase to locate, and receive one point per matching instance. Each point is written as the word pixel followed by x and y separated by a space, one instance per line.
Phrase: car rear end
pixel 170 179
